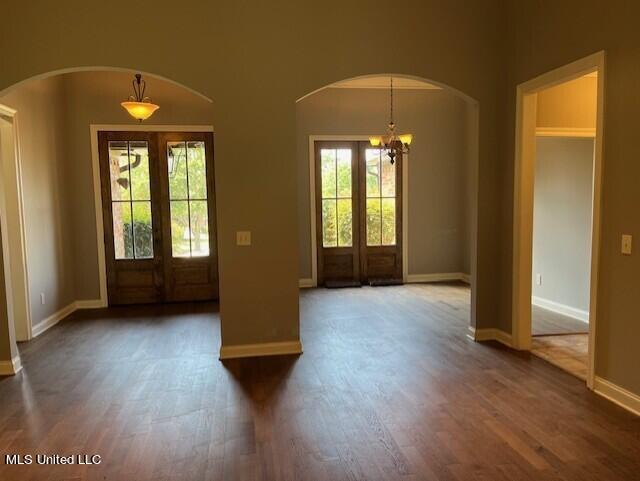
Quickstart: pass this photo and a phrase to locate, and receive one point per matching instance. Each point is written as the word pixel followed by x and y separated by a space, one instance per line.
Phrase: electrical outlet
pixel 539 279
pixel 243 238
pixel 626 244
pixel 42 299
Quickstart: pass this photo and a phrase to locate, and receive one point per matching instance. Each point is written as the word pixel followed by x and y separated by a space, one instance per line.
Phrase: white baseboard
pixel 57 316
pixel 305 283
pixel 439 277
pixel 491 334
pixel 10 368
pixel 563 309
pixel 618 395
pixel 265 349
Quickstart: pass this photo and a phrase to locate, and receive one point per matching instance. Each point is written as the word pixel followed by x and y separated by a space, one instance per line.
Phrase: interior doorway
pixel 358 214
pixel 557 187
pixel 158 211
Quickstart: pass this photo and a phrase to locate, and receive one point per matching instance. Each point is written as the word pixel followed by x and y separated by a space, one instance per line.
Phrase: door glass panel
pixel 329 232
pixel 388 222
pixel 328 164
pixel 336 185
pixel 180 242
pixel 187 171
pixel 177 168
pixel 345 222
pixel 142 231
pixel 131 199
pixel 373 222
pixel 197 170
pixel 381 199
pixel 199 228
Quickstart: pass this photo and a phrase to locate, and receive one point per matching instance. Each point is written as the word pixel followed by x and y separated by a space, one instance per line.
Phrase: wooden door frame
pixel 97 193
pixel 14 247
pixel 525 149
pixel 313 281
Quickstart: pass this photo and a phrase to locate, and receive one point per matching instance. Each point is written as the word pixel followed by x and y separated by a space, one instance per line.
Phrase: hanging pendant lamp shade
pixel 139 106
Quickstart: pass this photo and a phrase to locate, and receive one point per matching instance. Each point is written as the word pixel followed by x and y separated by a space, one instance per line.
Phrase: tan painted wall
pixel 545 35
pixel 569 105
pixel 438 166
pixel 255 59
pixel 46 193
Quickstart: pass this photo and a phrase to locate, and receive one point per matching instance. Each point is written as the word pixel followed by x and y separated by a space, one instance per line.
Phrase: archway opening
pixel 55 194
pixel 411 226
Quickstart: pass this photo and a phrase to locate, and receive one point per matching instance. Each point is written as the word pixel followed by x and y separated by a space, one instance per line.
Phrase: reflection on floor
pixel 561 340
pixel 568 352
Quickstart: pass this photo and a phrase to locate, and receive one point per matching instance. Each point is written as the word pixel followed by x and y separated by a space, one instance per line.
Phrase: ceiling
pixel 382 82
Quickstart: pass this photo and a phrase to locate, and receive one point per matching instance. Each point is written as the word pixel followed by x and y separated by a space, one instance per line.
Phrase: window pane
pixel 142 230
pixel 345 223
pixel 344 172
pixel 373 172
pixel 180 228
pixel 389 222
pixel 177 168
pixel 197 170
pixel 199 228
pixel 373 222
pixel 139 165
pixel 388 179
pixel 122 236
pixel 119 168
pixel 329 235
pixel 328 172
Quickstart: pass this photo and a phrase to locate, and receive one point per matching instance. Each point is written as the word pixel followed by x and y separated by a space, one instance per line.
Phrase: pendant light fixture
pixel 392 143
pixel 139 106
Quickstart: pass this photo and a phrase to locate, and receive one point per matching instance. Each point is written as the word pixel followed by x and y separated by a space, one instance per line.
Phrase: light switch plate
pixel 243 238
pixel 626 244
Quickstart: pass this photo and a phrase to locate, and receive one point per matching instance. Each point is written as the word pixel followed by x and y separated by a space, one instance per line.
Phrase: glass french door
pixel 358 212
pixel 159 216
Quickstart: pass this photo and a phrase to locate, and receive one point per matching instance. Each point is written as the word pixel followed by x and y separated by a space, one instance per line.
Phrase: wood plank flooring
pixel 569 352
pixel 389 388
pixel 546 322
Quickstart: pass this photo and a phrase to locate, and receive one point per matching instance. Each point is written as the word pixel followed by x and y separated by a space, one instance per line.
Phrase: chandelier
pixel 392 143
pixel 139 106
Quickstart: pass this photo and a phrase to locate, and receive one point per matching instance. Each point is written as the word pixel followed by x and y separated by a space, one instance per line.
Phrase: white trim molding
pixel 263 349
pixel 61 314
pixel 97 192
pixel 438 277
pixel 563 309
pixel 618 395
pixel 565 132
pixel 523 177
pixel 492 334
pixel 306 283
pixel 12 367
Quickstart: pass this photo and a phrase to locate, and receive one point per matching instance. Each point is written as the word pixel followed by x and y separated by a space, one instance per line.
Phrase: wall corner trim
pixel 618 395
pixel 563 309
pixel 263 349
pixel 306 283
pixel 12 367
pixel 491 334
pixel 59 315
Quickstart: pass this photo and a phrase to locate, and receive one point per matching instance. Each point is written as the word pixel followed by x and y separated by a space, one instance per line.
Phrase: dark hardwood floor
pixel 389 388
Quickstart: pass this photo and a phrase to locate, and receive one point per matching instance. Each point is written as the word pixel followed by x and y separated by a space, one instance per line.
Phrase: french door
pixel 158 204
pixel 358 215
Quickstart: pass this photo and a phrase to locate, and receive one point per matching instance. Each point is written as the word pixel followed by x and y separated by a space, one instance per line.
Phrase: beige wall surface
pixel 545 35
pixel 255 60
pixel 569 105
pixel 562 220
pixel 47 191
pixel 438 231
